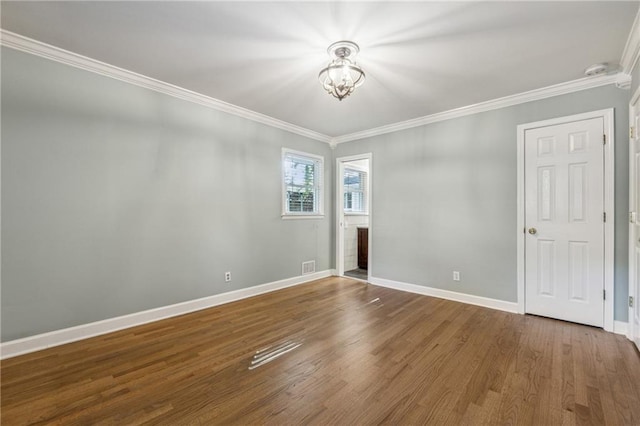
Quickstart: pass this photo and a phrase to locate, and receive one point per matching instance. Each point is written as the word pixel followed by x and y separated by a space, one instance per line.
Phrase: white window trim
pixel 283 203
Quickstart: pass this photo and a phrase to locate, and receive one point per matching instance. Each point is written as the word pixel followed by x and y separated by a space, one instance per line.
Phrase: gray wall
pixel 117 199
pixel 444 197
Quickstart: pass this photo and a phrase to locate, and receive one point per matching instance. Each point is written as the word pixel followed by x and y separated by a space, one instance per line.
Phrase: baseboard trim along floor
pixel 486 302
pixel 620 327
pixel 72 334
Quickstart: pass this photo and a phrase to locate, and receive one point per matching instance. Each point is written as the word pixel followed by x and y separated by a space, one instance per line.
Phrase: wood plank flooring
pixel 368 355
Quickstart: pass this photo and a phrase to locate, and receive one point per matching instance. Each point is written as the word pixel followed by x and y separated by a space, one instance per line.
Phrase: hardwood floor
pixel 368 355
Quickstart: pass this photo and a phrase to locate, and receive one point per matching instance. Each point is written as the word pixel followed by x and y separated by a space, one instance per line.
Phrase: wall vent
pixel 308 267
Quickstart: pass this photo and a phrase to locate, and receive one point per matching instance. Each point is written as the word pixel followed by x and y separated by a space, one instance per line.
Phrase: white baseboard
pixel 620 327
pixel 486 302
pixel 84 331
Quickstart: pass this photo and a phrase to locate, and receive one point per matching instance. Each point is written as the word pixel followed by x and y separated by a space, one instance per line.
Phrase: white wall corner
pixel 500 305
pixel 631 50
pixel 72 334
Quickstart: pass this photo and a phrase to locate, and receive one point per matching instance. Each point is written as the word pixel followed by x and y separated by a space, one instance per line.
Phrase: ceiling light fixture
pixel 342 75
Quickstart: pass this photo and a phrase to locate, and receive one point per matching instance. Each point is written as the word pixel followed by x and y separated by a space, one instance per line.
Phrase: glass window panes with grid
pixel 302 184
pixel 355 191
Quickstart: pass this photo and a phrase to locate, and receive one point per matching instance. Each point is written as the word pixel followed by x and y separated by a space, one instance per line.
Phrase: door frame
pixel 340 211
pixel 609 204
pixel 634 105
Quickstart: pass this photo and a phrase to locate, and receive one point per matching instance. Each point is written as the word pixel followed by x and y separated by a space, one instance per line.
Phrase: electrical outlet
pixel 456 275
pixel 227 277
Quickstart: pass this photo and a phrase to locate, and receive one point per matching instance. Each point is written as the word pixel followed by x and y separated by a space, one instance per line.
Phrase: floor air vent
pixel 308 267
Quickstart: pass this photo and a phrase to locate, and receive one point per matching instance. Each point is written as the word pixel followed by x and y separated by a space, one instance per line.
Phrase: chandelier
pixel 342 75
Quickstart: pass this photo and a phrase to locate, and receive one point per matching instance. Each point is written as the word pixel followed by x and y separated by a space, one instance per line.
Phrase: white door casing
pixel 340 221
pixel 634 220
pixel 565 186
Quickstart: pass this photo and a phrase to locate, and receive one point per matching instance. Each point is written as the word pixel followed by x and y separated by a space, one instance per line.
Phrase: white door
pixel 564 241
pixel 634 226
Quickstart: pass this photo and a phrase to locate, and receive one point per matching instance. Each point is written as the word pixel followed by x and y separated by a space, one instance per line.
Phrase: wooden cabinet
pixel 363 248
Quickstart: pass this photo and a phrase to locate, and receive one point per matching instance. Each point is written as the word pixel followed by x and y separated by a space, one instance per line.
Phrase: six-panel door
pixel 564 195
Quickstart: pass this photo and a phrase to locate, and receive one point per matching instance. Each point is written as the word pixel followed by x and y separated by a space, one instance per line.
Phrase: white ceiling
pixel 420 57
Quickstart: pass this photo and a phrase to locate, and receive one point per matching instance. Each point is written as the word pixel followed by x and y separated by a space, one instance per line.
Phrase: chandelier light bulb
pixel 342 75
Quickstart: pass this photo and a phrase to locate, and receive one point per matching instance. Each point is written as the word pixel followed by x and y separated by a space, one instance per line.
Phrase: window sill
pixel 356 214
pixel 302 216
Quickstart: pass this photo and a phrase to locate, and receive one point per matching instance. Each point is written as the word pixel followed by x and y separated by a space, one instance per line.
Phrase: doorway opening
pixel 353 213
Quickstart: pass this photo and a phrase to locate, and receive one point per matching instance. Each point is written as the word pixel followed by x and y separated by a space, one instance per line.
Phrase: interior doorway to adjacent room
pixel 353 204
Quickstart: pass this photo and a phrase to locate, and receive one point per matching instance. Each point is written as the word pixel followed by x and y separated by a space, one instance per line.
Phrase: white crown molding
pixel 470 299
pixel 72 334
pixel 533 95
pixel 25 44
pixel 631 50
pixel 34 47
pixel 624 84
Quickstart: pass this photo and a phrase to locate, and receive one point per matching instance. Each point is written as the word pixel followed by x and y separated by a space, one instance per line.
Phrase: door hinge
pixel 604 294
pixel 631 132
pixel 632 217
pixel 631 301
pixel 604 217
pixel 604 139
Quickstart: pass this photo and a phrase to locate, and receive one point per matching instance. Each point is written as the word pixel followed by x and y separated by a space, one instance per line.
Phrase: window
pixel 355 191
pixel 302 183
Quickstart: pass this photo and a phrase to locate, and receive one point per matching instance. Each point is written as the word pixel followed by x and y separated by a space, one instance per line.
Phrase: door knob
pixel 533 231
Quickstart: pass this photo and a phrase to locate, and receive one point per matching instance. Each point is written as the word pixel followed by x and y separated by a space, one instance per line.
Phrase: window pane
pixel 348 201
pixel 355 183
pixel 352 180
pixel 302 181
